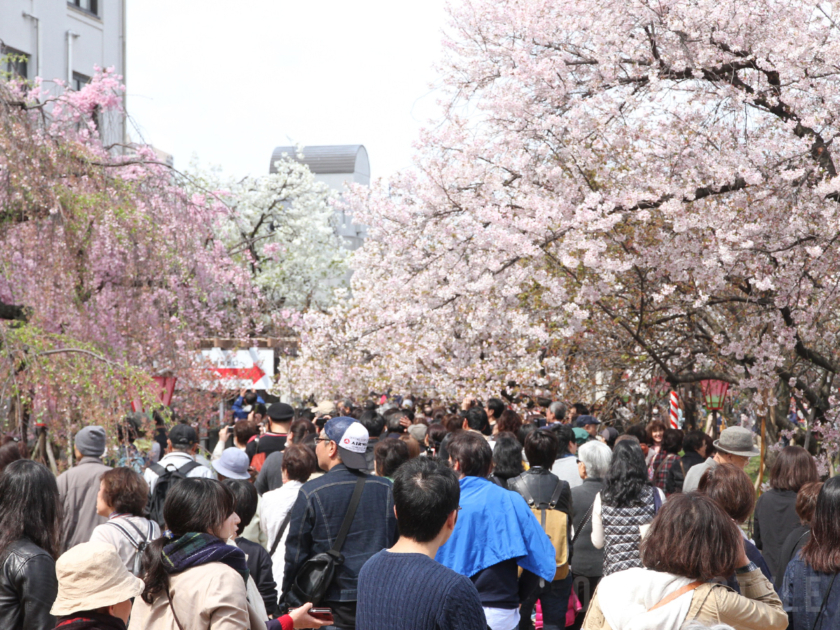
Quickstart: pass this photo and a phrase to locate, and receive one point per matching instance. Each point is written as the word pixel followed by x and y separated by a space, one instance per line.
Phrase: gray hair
pixel 596 456
pixel 558 409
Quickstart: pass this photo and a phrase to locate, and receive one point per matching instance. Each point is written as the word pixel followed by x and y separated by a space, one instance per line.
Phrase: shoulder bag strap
pixel 127 534
pixel 280 532
pixel 825 599
pixel 680 591
pixel 657 500
pixel 348 518
pixel 172 608
pixel 555 496
pixel 158 469
pixel 583 523
pixel 522 489
pixel 187 468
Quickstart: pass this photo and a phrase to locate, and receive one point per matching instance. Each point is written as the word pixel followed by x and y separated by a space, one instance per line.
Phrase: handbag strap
pixel 825 599
pixel 348 518
pixel 680 591
pixel 280 532
pixel 583 523
pixel 172 608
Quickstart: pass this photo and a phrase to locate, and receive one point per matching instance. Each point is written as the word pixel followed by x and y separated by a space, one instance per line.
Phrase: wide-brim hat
pixel 90 576
pixel 737 441
pixel 233 464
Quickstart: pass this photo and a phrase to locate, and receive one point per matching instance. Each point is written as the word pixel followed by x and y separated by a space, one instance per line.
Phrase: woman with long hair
pixel 665 466
pixel 656 433
pixel 691 542
pixel 623 510
pixel 29 545
pixel 194 579
pixel 810 591
pixel 775 510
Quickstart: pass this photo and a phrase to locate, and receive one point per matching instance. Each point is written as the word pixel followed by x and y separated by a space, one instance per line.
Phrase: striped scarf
pixel 195 548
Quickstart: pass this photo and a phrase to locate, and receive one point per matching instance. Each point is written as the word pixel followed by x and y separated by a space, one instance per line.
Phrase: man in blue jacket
pixel 496 532
pixel 319 511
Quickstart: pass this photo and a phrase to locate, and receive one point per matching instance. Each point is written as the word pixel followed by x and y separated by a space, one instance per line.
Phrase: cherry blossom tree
pixel 281 227
pixel 650 187
pixel 111 269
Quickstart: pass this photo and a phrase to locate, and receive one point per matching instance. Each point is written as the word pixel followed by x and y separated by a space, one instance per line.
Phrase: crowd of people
pixel 393 514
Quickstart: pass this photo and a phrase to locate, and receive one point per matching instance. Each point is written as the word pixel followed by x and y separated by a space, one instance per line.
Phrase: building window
pixel 91 6
pixel 13 64
pixel 79 81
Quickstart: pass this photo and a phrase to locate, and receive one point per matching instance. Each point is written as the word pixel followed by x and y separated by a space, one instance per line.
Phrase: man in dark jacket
pixel 543 490
pixel 593 461
pixel 320 508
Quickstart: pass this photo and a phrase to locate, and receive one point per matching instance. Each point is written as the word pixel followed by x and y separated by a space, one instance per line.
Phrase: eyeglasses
pixel 320 439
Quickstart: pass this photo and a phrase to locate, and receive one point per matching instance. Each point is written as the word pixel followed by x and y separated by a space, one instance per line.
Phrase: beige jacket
pixel 756 608
pixel 207 597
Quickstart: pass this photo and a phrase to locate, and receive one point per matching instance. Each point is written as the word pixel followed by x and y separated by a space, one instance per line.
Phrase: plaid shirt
pixel 660 466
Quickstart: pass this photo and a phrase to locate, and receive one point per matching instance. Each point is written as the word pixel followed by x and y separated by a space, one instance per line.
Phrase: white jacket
pixel 273 508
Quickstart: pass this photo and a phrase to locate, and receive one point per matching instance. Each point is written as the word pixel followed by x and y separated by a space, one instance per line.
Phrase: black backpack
pixel 167 477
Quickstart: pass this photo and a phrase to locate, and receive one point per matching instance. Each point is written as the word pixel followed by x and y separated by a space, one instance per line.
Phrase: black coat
pixel 28 588
pixel 260 568
pixel 775 519
pixel 589 561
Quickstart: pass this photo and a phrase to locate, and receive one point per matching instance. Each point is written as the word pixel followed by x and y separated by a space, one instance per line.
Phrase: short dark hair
pixel 693 441
pixel 426 492
pixel 250 398
pixel 436 434
pixel 299 462
pixel 472 452
pixel 565 434
pixel 806 500
pixel 541 448
pixel 581 409
pixel 672 441
pixel 822 551
pixel 692 537
pixel 640 433
pixel 731 488
pixel 524 431
pixel 247 500
pixel 477 418
pixel 244 430
pixel 507 456
pixel 125 490
pixel 373 422
pixel 388 455
pixel 496 406
pixel 793 468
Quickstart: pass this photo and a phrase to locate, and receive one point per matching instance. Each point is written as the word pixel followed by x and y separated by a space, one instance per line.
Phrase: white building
pixel 65 39
pixel 335 165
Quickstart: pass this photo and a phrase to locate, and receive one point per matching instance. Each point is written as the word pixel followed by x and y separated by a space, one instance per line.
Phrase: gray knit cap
pixel 91 441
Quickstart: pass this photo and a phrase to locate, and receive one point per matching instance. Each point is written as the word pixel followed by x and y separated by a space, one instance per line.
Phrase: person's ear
pixel 452 519
pixel 456 465
pixel 465 425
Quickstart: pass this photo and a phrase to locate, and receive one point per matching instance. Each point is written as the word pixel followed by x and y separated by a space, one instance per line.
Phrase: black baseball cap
pixel 182 435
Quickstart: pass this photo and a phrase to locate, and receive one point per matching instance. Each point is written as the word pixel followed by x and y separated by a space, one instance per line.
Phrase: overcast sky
pixel 229 81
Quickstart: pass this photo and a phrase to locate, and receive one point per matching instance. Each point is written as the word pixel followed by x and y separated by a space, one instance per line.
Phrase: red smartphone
pixel 322 614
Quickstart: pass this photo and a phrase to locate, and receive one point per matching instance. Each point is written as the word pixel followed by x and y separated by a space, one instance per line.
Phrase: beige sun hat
pixel 91 576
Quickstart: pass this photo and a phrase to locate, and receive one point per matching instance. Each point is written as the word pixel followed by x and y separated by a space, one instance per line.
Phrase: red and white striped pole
pixel 675 410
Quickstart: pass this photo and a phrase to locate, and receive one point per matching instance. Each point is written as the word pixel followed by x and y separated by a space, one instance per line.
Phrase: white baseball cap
pixel 352 440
